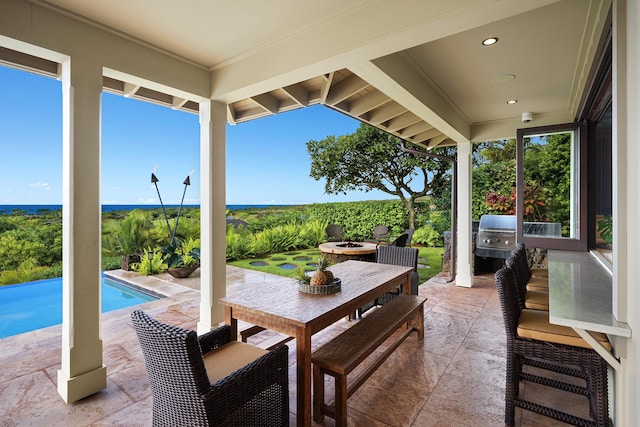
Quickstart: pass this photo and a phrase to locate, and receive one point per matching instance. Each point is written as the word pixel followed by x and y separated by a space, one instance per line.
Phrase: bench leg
pixel 318 395
pixel 420 322
pixel 341 400
pixel 417 323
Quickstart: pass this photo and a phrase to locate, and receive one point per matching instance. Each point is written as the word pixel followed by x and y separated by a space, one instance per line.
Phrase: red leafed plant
pixel 506 205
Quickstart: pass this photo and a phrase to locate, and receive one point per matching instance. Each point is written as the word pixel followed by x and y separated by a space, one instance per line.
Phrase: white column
pixel 213 270
pixel 82 372
pixel 464 271
pixel 626 197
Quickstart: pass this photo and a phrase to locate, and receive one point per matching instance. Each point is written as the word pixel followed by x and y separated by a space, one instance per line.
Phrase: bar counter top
pixel 580 294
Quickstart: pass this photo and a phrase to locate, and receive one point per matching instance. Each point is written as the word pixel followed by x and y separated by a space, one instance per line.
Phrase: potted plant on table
pixel 182 258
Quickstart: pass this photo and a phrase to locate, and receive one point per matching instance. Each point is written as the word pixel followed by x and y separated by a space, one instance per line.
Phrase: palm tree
pixel 129 237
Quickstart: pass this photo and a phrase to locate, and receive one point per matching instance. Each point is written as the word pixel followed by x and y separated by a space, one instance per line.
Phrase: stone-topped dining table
pixel 281 307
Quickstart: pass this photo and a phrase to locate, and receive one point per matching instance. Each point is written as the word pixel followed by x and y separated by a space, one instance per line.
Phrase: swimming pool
pixel 34 305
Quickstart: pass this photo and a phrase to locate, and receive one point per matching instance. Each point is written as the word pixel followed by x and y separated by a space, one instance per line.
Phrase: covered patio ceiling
pixel 416 69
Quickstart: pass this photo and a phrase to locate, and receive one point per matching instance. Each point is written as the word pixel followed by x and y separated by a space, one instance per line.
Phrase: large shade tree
pixel 371 159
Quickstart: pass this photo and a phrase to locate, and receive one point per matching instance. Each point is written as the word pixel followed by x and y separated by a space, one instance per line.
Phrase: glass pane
pixel 551 185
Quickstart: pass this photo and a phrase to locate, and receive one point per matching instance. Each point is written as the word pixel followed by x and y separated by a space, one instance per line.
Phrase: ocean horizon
pixel 34 209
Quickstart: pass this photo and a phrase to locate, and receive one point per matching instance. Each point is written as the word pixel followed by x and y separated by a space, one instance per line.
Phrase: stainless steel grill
pixel 496 236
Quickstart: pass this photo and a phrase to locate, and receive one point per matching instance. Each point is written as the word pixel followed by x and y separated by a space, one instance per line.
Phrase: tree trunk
pixel 412 213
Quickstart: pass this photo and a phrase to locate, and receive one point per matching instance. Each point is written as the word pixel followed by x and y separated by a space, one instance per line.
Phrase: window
pixel 551 187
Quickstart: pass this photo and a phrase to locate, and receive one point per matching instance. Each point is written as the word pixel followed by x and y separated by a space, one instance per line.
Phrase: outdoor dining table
pixel 282 308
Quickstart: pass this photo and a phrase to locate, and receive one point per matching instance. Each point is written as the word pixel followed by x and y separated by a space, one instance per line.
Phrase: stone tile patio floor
pixel 455 377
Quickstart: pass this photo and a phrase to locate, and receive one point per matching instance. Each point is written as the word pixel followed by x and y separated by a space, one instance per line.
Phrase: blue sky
pixel 267 159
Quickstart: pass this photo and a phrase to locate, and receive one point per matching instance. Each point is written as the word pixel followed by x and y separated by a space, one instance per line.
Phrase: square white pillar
pixel 213 209
pixel 82 372
pixel 464 270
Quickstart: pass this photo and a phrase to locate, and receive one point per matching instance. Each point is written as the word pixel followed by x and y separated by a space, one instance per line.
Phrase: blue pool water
pixel 29 306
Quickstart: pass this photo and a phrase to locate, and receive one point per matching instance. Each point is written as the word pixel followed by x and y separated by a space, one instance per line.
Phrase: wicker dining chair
pixel 532 341
pixel 395 255
pixel 334 233
pixel 210 379
pixel 400 241
pixel 379 233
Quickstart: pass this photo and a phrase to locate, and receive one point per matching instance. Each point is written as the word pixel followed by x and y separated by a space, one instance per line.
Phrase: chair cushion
pixel 536 300
pixel 539 272
pixel 538 284
pixel 227 359
pixel 534 324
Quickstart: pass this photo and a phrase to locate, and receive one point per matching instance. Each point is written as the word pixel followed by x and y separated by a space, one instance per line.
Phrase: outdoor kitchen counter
pixel 580 296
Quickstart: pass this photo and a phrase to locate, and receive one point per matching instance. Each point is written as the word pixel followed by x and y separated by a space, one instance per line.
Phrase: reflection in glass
pixel 550 193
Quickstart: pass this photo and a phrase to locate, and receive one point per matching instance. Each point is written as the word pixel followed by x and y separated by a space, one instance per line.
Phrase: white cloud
pixel 40 184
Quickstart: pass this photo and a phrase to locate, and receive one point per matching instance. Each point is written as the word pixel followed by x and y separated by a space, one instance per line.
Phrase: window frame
pixel 566 243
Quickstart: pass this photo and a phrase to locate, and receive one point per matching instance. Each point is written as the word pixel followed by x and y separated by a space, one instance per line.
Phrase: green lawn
pixel 429 262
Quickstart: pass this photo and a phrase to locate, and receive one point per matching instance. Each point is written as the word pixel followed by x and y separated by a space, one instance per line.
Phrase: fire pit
pixel 343 251
pixel 349 245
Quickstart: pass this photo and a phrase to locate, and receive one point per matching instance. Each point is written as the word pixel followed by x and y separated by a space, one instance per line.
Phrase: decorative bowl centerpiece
pixel 321 282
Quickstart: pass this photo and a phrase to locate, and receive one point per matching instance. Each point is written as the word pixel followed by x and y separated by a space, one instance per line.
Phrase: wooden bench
pixel 344 353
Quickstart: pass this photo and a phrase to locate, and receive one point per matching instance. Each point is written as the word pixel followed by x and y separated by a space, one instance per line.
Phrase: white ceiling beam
pixel 298 94
pixel 402 121
pixel 426 135
pixel 367 103
pixel 415 129
pixel 130 89
pixel 231 116
pixel 393 75
pixel 324 91
pixel 434 142
pixel 386 112
pixel 268 102
pixel 345 88
pixel 178 102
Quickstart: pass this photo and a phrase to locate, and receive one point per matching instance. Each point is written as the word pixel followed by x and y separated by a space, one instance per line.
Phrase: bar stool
pixel 533 341
pixel 532 299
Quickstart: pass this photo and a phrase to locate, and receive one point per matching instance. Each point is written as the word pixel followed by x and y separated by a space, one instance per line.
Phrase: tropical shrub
pixel 312 232
pixel 14 250
pixel 182 253
pixel 154 266
pixel 27 271
pixel 238 243
pixel 129 236
pixel 358 219
pixel 428 236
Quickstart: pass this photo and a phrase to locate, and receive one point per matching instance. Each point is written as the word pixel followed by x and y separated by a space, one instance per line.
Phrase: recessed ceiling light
pixel 512 101
pixel 503 78
pixel 489 41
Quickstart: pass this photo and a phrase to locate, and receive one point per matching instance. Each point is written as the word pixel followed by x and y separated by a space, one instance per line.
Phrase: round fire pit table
pixel 343 251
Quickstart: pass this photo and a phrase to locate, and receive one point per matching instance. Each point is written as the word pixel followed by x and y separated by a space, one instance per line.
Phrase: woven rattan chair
pixel 533 299
pixel 334 233
pixel 395 255
pixel 561 351
pixel 409 233
pixel 533 272
pixel 400 241
pixel 380 233
pixel 211 380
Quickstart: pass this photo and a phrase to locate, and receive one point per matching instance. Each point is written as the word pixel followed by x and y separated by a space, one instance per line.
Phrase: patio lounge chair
pixel 395 255
pixel 210 379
